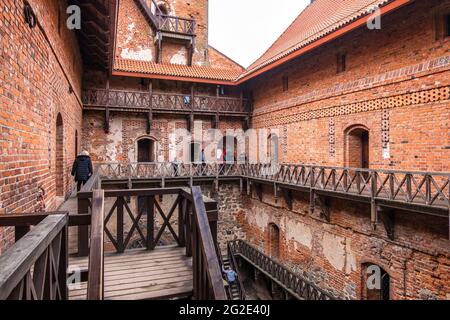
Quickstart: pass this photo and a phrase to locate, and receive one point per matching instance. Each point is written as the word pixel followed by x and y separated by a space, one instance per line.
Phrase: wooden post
pixel 182 206
pixel 151 223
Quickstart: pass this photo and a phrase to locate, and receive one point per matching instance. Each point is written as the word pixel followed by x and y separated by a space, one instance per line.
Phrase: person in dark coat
pixel 82 169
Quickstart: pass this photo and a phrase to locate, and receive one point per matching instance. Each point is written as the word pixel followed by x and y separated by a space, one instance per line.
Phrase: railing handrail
pixel 307 286
pixel 208 252
pixel 95 286
pixel 18 260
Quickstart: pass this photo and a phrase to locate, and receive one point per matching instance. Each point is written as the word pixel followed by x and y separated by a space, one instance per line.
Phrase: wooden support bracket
pixel 325 207
pixel 387 217
pixel 106 124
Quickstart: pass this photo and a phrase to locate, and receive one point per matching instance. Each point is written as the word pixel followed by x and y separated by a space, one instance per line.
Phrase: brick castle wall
pixel 35 76
pixel 396 85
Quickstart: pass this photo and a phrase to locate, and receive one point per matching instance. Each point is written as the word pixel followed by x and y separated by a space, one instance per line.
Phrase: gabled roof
pixel 169 71
pixel 322 21
pixel 320 18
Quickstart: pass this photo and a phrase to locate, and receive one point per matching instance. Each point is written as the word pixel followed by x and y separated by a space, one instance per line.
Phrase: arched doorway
pixel 357 147
pixel 376 283
pixel 145 150
pixel 59 156
pixel 274 240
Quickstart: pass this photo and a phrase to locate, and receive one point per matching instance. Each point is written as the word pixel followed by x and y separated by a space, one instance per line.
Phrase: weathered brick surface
pixel 136 39
pixel 35 77
pixel 395 70
pixel 397 86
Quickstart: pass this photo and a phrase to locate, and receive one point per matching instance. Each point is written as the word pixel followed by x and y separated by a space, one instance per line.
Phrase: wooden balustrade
pixel 291 282
pixel 162 102
pixel 35 267
pixel 417 188
pixel 205 260
pixel 196 230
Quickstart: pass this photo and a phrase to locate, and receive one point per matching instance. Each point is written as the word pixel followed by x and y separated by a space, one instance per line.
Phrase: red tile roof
pixel 174 70
pixel 319 19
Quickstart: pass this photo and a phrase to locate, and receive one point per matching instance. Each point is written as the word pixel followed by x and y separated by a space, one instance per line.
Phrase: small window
pixel 341 62
pixel 285 83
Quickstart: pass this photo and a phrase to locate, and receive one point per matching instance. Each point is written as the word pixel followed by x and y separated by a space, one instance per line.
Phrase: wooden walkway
pixel 164 273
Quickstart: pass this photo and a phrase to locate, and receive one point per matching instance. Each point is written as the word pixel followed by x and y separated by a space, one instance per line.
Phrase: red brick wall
pixel 402 96
pixel 396 86
pixel 34 89
pixel 135 38
pixel 332 254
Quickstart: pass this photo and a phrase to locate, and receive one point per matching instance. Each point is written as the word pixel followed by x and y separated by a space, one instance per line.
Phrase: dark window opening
pixel 146 151
pixel 274 241
pixel 285 83
pixel 341 62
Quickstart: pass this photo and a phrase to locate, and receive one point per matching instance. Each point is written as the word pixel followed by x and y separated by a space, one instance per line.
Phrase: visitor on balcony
pixel 82 169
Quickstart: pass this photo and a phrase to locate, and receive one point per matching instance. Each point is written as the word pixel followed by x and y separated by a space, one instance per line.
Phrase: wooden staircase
pixel 234 290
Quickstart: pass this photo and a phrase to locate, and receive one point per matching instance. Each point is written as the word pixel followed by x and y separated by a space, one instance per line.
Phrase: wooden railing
pixel 293 283
pixel 195 229
pixel 162 102
pixel 205 260
pixel 164 22
pixel 35 267
pixel 421 188
pixel 177 25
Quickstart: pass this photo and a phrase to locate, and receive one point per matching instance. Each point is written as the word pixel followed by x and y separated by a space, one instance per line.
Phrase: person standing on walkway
pixel 82 169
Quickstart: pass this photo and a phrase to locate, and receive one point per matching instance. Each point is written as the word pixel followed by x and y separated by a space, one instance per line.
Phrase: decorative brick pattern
pixel 364 83
pixel 397 101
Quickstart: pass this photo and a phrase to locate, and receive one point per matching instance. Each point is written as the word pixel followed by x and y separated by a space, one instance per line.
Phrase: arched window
pixel 146 150
pixel 59 154
pixel 357 147
pixel 272 148
pixel 274 240
pixel 376 283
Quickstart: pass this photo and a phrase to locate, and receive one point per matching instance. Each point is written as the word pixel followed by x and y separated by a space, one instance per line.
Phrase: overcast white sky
pixel 245 29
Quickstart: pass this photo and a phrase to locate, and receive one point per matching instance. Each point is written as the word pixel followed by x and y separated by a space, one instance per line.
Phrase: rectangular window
pixel 341 62
pixel 285 83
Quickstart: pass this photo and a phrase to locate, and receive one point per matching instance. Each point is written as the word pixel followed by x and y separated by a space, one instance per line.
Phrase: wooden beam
pixel 149 121
pixel 106 125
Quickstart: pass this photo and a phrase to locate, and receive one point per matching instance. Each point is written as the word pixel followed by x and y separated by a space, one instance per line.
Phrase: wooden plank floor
pixel 139 274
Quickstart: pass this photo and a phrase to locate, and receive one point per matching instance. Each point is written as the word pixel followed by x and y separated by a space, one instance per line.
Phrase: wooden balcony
pixel 137 267
pixel 384 190
pixel 139 101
